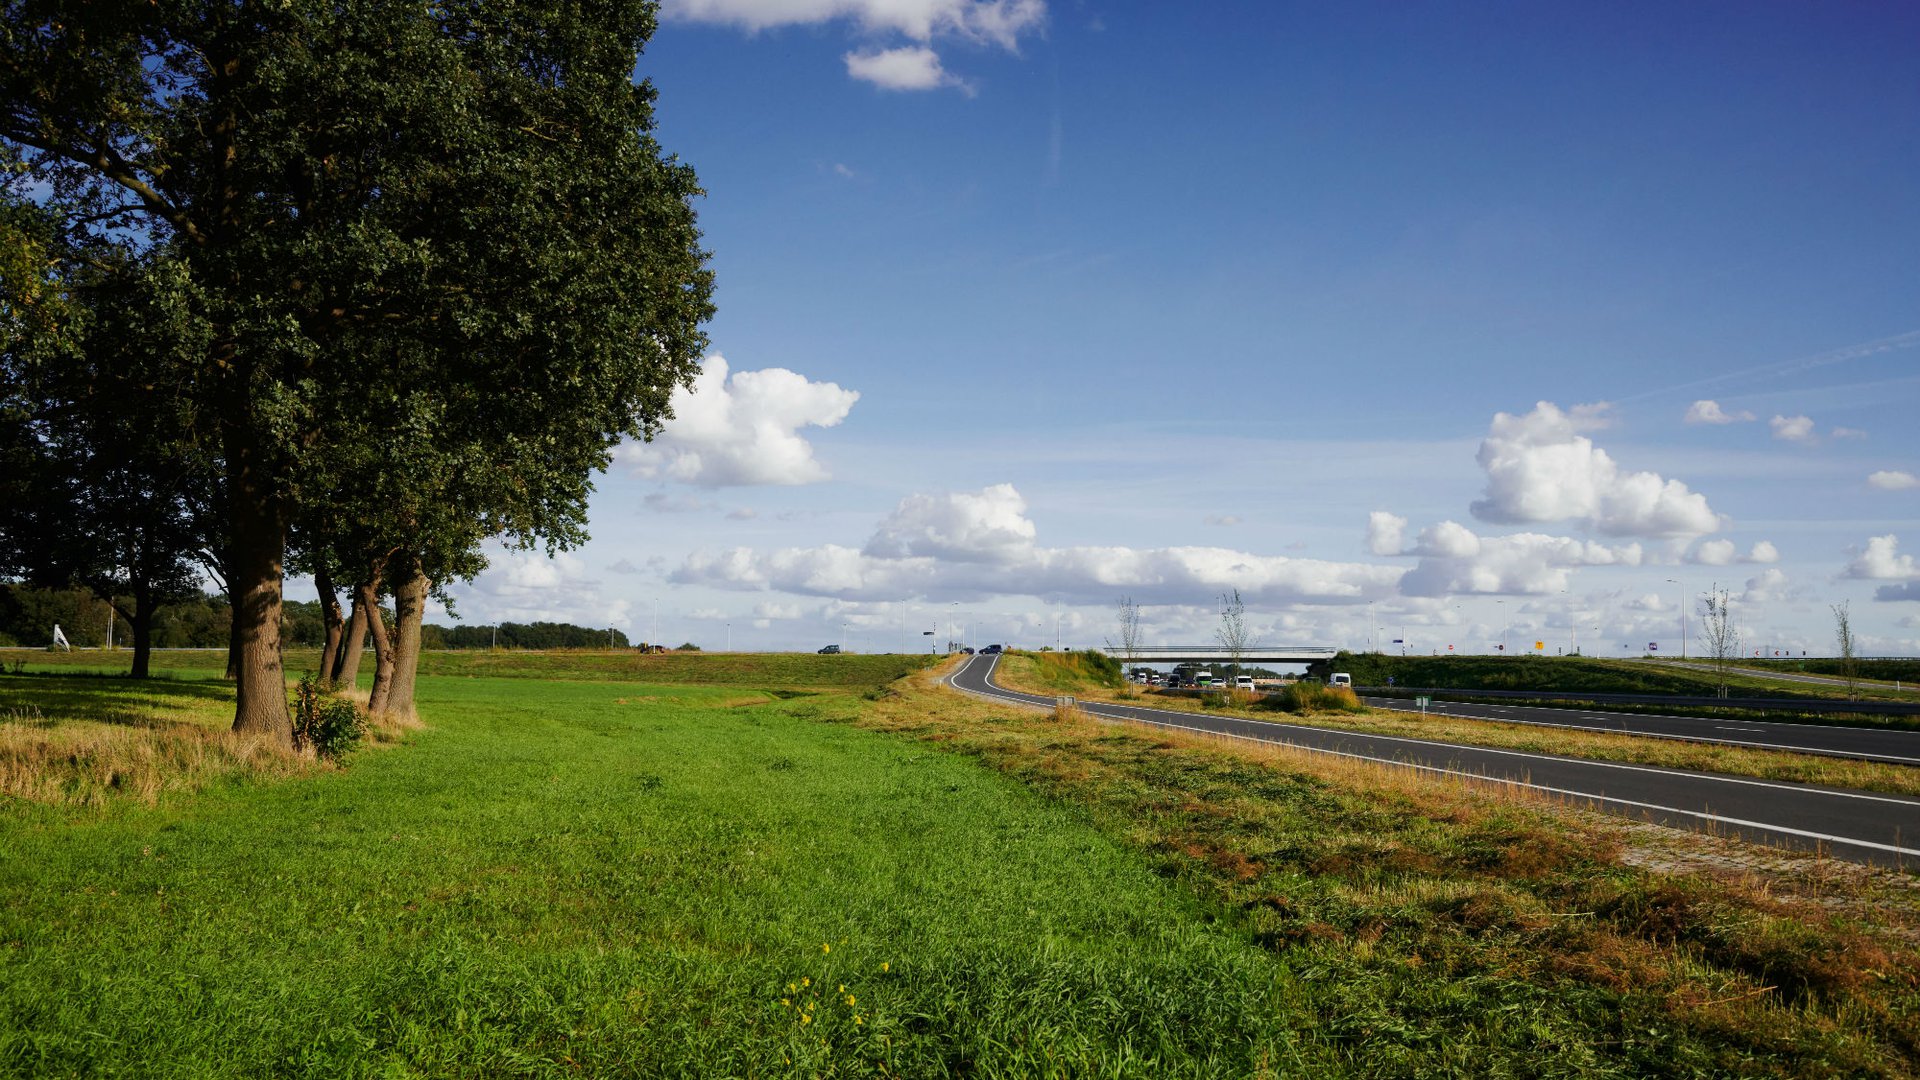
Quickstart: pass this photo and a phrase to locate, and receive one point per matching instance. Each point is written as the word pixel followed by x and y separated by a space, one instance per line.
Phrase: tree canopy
pixel 433 261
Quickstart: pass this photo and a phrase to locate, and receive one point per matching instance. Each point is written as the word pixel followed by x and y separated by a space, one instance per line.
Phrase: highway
pixel 1855 825
pixel 1833 740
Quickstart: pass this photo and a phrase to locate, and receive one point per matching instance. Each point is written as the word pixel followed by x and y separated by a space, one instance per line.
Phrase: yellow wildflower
pixel 804 981
pixel 884 965
pixel 824 947
pixel 849 999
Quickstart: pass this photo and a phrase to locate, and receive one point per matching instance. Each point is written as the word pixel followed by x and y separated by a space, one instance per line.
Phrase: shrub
pixel 1315 697
pixel 332 726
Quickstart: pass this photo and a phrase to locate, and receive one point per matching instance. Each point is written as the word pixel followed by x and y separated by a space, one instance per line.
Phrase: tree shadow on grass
pixel 47 700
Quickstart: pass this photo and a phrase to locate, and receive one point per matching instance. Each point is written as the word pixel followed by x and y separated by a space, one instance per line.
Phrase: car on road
pixel 1243 682
pixel 829 650
pixel 1340 678
pixel 990 649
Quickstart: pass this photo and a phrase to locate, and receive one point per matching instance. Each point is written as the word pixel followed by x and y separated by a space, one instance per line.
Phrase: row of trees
pixel 339 289
pixel 28 616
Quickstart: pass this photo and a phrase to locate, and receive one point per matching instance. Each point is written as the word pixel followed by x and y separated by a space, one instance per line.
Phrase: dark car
pixel 829 650
pixel 991 649
pixel 968 651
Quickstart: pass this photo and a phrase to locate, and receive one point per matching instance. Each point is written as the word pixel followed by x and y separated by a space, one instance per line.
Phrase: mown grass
pixel 564 878
pixel 1018 674
pixel 1430 915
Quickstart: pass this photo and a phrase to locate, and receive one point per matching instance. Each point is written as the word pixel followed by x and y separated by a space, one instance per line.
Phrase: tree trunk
pixel 409 605
pixel 346 666
pixel 382 648
pixel 143 607
pixel 330 618
pixel 259 545
pixel 233 637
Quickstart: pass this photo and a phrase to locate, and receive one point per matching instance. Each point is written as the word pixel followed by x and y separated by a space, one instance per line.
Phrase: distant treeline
pixel 28 616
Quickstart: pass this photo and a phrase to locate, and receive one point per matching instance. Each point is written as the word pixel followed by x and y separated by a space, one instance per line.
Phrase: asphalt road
pixel 1855 825
pixel 1866 744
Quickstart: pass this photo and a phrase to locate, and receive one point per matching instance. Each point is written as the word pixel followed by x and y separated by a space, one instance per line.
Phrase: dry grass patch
pixel 87 740
pixel 1448 887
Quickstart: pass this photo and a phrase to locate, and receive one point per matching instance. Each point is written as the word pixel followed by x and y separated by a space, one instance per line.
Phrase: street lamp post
pixel 1683 616
pixel 1503 626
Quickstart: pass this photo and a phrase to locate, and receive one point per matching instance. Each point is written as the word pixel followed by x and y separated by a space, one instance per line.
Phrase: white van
pixel 1243 682
pixel 1203 679
pixel 1340 678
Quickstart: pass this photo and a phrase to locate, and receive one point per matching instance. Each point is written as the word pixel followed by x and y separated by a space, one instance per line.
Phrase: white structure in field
pixel 60 638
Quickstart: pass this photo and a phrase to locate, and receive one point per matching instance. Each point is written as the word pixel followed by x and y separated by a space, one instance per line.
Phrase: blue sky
pixel 1027 306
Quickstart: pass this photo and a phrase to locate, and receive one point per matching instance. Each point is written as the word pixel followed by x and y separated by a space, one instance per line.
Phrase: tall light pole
pixel 1683 616
pixel 1503 626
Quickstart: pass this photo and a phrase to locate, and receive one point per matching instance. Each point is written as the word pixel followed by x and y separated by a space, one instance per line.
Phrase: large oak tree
pixel 373 200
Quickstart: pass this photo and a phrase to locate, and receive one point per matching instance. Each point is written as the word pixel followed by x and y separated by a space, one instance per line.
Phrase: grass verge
pixel 1429 908
pixel 1015 672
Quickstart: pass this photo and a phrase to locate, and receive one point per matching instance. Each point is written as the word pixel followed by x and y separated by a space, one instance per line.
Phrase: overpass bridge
pixel 1214 654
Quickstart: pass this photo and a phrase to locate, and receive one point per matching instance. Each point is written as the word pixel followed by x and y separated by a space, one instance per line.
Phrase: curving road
pixel 1892 745
pixel 1856 825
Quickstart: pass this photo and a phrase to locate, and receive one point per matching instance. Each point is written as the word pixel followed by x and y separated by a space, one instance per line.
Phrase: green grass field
pixel 801 876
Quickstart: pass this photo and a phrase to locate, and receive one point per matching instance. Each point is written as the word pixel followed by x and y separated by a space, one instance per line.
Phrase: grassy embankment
pixel 1056 673
pixel 624 879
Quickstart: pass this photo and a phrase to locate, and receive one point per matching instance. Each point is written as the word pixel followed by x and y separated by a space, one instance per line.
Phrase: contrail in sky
pixel 1789 367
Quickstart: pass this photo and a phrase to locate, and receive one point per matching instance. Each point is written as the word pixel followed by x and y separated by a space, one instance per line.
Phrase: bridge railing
pixel 1252 652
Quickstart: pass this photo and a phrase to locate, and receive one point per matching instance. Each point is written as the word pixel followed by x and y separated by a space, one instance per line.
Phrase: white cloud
pixel 976 544
pixel 1763 552
pixel 1848 433
pixel 1713 553
pixel 767 609
pixel 1000 22
pixel 741 429
pixel 1881 561
pixel 1223 519
pixel 990 526
pixel 912 67
pixel 624 566
pixel 1541 467
pixel 1710 412
pixel 527 586
pixel 1795 429
pixel 1455 560
pixel 1770 584
pixel 1385 533
pixel 1892 480
pixel 843 171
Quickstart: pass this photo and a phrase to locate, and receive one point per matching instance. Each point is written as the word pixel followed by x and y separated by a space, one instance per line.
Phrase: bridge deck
pixel 1214 654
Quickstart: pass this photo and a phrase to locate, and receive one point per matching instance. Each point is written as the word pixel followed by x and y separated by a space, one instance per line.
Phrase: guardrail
pixel 1253 654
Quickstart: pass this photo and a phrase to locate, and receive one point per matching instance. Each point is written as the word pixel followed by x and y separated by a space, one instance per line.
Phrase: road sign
pixel 1540 645
pixel 1423 702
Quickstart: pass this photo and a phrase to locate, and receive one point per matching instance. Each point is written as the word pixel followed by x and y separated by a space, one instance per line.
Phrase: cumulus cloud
pixel 1713 553
pixel 1881 561
pixel 1385 533
pixel 741 429
pixel 913 67
pixel 1542 467
pixel 1453 559
pixel 988 526
pixel 974 544
pixel 1794 429
pixel 526 586
pixel 1770 584
pixel 1725 553
pixel 1710 412
pixel 1000 22
pixel 1892 480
